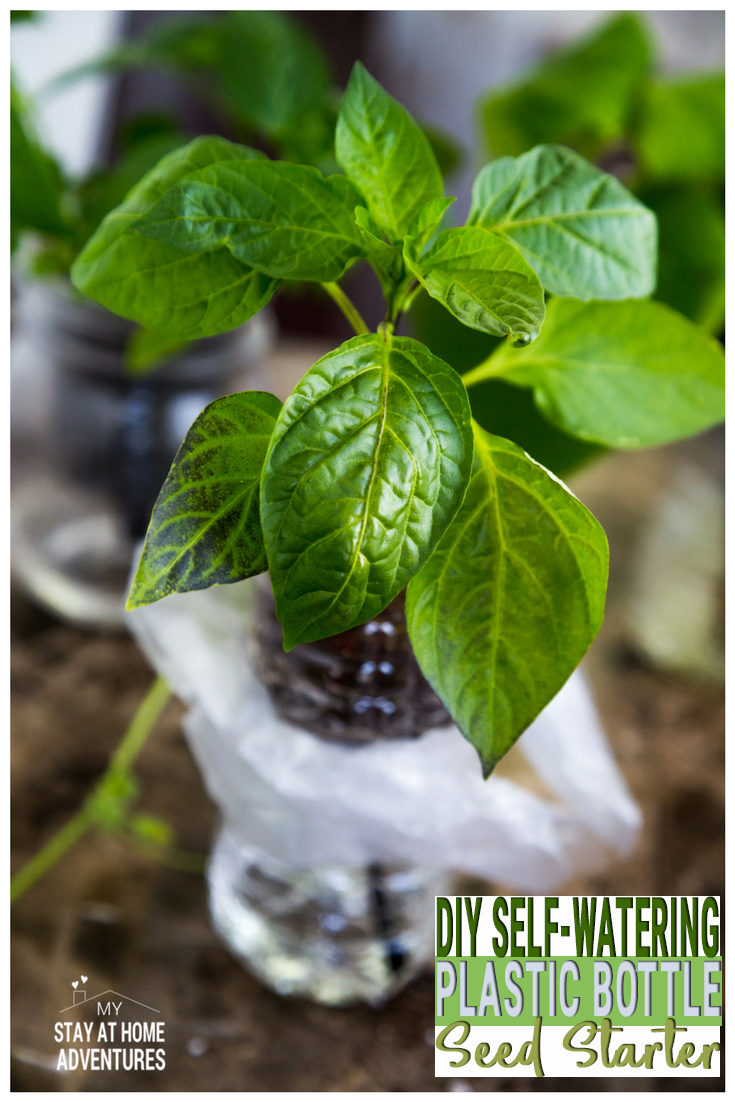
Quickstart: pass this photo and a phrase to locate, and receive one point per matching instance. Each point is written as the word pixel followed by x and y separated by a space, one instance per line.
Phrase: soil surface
pixel 132 924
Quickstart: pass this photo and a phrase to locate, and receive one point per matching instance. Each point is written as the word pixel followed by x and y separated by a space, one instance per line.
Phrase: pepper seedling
pixel 372 477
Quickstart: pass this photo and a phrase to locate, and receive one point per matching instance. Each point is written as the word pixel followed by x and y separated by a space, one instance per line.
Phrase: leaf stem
pixel 132 743
pixel 348 308
pixel 411 296
pixel 483 371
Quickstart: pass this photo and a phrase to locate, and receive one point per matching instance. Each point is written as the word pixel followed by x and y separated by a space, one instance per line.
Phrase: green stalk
pixel 410 297
pixel 140 727
pixel 348 308
pixel 132 743
pixel 481 373
pixel 47 857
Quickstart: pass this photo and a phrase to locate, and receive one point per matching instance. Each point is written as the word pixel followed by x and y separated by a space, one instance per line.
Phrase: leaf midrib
pixel 247 490
pixel 385 374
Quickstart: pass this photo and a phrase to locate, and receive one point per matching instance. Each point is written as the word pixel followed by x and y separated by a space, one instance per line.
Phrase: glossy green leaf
pixel 584 234
pixel 104 190
pixel 36 185
pixel 511 599
pixel 483 280
pixel 625 374
pixel 388 156
pixel 680 129
pixel 367 466
pixel 580 96
pixel 447 337
pixel 428 222
pixel 187 295
pixel 272 71
pixel 286 220
pixel 205 528
pixel 386 260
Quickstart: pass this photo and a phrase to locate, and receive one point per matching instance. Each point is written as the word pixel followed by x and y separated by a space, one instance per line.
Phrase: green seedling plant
pixel 372 477
pixel 109 808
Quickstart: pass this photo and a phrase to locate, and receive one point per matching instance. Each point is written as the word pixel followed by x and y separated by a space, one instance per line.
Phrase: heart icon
pixel 84 979
pixel 75 984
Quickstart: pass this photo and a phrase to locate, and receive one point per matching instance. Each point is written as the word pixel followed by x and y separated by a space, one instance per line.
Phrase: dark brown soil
pixel 132 924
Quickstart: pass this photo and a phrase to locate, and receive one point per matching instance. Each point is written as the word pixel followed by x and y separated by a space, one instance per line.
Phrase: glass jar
pixel 95 443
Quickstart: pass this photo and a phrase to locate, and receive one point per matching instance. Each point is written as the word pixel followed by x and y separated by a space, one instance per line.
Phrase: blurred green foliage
pixel 663 136
pixel 665 139
pixel 261 73
pixel 580 96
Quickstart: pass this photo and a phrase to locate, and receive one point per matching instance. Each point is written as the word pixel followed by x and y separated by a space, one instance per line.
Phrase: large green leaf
pixel 286 220
pixel 388 156
pixel 580 96
pixel 625 374
pixel 428 222
pixel 511 599
pixel 367 466
pixel 188 295
pixel 483 280
pixel 205 528
pixel 680 129
pixel 272 71
pixel 103 190
pixel 584 234
pixel 36 184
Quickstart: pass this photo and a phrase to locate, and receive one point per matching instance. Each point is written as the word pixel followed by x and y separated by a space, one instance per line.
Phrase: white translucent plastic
pixel 419 802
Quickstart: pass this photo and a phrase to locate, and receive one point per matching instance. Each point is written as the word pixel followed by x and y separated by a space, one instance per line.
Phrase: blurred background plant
pixel 663 137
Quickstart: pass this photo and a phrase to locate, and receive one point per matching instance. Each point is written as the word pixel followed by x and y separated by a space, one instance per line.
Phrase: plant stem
pixel 480 373
pixel 348 308
pixel 47 857
pixel 140 727
pixel 411 296
pixel 132 743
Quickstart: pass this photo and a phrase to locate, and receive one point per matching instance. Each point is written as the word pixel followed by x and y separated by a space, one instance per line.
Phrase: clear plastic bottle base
pixel 335 935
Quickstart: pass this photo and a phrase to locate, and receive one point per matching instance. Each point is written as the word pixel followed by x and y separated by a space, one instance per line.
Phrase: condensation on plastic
pixel 308 802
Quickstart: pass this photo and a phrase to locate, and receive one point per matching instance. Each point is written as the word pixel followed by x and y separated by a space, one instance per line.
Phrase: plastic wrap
pixel 421 801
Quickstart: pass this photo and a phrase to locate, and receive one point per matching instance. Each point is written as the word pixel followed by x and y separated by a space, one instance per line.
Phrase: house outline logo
pixel 115 1033
pixel 103 994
